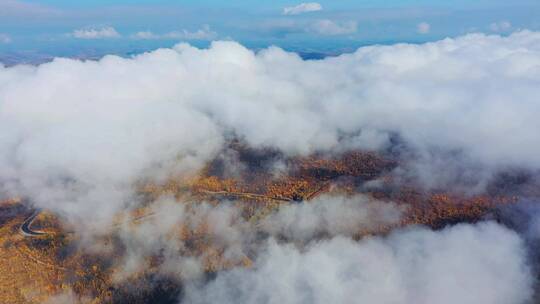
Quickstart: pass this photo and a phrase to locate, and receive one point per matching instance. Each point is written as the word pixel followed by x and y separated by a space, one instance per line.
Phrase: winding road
pixel 26 229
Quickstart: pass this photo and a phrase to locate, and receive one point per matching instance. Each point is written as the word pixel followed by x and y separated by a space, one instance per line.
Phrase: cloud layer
pixel 205 33
pixel 330 216
pixel 237 238
pixel 96 33
pixel 483 264
pixel 77 135
pixel 302 8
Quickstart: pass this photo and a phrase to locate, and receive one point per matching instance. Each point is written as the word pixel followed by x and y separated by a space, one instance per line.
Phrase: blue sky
pixel 71 28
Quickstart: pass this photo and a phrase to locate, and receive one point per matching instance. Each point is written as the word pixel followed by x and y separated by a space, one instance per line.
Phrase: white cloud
pixel 331 28
pixel 423 28
pixel 96 33
pixel 145 35
pixel 5 38
pixel 316 259
pixel 501 26
pixel 205 33
pixel 482 264
pixel 328 215
pixel 77 135
pixel 302 8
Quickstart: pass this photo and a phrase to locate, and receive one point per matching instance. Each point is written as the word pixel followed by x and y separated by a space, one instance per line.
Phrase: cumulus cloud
pixel 332 28
pixel 76 136
pixel 501 26
pixel 96 33
pixel 302 8
pixel 423 28
pixel 205 33
pixel 484 264
pixel 5 38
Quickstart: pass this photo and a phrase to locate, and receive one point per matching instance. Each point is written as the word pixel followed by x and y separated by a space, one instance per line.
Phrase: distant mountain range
pixel 15 58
